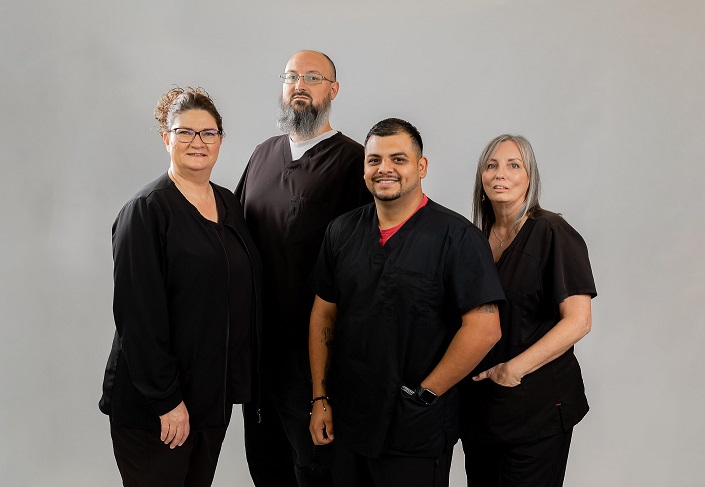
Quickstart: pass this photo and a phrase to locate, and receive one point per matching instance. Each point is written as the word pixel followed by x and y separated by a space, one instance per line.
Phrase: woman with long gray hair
pixel 522 401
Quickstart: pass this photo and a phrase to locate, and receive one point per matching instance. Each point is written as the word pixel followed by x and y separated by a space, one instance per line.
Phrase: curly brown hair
pixel 179 100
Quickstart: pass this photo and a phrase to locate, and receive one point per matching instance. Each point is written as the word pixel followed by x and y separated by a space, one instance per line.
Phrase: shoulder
pixel 552 231
pixel 157 201
pixel 352 217
pixel 340 154
pixel 340 148
pixel 272 142
pixel 345 141
pixel 446 215
pixel 151 193
pixel 151 207
pixel 552 222
pixel 348 223
pixel 548 217
pixel 448 228
pixel 564 251
pixel 275 139
pixel 159 184
pixel 453 222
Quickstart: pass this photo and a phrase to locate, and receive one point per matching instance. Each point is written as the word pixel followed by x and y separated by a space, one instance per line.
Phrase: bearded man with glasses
pixel 292 187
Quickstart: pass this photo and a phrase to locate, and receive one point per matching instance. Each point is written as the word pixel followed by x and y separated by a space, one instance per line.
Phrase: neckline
pixel 375 232
pixel 192 207
pixel 515 240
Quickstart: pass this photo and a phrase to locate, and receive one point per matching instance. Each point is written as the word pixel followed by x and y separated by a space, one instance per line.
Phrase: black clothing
pixel 239 301
pixel 288 205
pixel 535 463
pixel 545 263
pixel 351 469
pixel 398 308
pixel 282 438
pixel 172 307
pixel 145 461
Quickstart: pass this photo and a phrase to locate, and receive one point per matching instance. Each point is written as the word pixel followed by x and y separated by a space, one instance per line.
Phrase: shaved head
pixel 307 52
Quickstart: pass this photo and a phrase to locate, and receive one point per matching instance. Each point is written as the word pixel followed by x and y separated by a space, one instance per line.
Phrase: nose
pixel 197 141
pixel 500 172
pixel 299 83
pixel 385 166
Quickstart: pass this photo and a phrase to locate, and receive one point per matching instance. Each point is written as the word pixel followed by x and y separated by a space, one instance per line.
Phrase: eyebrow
pixel 396 154
pixel 512 159
pixel 190 128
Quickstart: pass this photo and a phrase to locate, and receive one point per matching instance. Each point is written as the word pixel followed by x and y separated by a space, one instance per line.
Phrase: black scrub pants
pixel 351 469
pixel 537 463
pixel 280 450
pixel 145 461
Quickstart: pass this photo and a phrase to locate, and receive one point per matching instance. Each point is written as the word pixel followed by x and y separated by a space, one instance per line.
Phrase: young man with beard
pixel 408 288
pixel 293 186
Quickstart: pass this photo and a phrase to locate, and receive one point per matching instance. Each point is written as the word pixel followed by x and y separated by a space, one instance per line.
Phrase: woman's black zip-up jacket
pixel 171 310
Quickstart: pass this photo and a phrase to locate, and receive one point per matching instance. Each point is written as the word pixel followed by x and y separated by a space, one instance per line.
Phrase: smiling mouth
pixel 385 180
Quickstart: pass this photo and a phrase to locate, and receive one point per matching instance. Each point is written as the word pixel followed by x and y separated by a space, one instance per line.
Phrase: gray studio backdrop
pixel 610 93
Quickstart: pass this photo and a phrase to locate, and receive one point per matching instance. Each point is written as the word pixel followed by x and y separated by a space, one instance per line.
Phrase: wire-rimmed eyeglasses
pixel 309 79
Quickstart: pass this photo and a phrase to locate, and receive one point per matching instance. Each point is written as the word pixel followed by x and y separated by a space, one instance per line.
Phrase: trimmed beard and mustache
pixel 403 190
pixel 304 121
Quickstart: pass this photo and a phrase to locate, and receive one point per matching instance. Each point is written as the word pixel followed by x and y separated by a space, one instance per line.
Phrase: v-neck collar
pixel 393 241
pixel 523 231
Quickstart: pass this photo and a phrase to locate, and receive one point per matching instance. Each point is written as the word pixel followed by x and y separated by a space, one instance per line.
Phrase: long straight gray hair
pixel 482 213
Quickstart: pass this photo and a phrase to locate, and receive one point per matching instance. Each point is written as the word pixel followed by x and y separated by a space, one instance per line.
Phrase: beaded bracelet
pixel 320 398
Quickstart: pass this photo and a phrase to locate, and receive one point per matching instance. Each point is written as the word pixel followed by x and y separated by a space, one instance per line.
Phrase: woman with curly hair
pixel 186 284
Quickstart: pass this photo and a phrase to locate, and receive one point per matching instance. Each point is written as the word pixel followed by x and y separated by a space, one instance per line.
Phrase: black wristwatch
pixel 426 396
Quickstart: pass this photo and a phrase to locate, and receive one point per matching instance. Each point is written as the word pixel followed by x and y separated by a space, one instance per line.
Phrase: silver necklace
pixel 501 242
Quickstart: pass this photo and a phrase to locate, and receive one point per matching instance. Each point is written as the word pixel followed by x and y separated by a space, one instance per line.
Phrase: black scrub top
pixel 545 263
pixel 398 308
pixel 288 205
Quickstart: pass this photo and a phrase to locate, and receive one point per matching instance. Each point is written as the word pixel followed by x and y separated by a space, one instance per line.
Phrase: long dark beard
pixel 304 122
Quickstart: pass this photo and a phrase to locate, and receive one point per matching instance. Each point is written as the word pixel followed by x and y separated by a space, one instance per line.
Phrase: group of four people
pixel 343 312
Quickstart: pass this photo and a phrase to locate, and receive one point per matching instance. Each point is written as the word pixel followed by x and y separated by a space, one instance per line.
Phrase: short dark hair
pixel 393 126
pixel 179 100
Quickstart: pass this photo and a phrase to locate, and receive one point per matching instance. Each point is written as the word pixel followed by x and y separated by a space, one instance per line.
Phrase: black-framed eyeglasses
pixel 186 136
pixel 309 79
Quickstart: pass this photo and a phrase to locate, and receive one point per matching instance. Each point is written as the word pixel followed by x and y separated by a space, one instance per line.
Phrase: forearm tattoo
pixel 327 338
